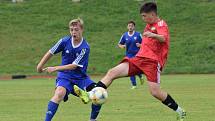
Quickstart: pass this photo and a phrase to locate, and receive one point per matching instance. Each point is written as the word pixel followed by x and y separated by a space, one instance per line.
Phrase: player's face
pixel 148 17
pixel 130 27
pixel 76 31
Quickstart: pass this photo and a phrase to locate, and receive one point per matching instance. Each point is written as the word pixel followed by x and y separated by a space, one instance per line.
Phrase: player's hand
pixel 49 69
pixel 138 44
pixel 122 46
pixel 148 34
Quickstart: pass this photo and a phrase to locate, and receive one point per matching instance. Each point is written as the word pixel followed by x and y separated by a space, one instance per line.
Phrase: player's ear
pixel 82 29
pixel 153 14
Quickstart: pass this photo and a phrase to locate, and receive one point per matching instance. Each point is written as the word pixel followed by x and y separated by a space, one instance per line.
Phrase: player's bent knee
pixel 57 98
pixel 59 94
pixel 154 91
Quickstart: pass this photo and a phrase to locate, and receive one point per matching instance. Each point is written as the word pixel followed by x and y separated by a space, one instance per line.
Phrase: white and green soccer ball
pixel 98 95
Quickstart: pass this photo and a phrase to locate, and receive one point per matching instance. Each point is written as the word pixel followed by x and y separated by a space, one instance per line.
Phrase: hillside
pixel 29 29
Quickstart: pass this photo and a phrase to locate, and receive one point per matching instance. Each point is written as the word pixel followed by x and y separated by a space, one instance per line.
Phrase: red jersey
pixel 153 48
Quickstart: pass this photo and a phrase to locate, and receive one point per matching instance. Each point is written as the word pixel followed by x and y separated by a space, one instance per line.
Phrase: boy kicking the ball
pixel 150 59
pixel 72 71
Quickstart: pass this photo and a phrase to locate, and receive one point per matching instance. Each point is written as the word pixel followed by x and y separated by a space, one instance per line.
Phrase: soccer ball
pixel 98 95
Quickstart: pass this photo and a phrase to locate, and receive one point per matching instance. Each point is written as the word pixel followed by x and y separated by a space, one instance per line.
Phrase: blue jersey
pixel 72 54
pixel 130 42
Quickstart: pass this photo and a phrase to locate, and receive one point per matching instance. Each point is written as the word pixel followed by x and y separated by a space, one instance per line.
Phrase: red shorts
pixel 149 67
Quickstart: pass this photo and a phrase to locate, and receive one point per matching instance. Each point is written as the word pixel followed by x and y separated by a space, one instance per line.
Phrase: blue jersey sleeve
pixel 139 38
pixel 58 47
pixel 82 58
pixel 122 40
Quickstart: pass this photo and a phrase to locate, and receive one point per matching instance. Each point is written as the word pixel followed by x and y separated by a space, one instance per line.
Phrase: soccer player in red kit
pixel 150 59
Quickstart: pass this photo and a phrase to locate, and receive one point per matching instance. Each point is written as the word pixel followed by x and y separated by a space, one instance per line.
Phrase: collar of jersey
pixel 78 44
pixel 130 35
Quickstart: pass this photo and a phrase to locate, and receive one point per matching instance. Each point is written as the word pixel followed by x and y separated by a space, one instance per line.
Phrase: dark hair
pixel 148 7
pixel 131 22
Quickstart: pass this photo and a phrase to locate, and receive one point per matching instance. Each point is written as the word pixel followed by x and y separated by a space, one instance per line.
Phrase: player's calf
pixel 166 99
pixel 170 102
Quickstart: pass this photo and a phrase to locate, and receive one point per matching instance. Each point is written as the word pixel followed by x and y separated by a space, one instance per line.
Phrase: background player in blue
pixel 72 71
pixel 131 41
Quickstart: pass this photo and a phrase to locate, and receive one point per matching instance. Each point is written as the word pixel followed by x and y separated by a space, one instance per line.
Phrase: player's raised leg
pixel 118 71
pixel 82 94
pixel 53 104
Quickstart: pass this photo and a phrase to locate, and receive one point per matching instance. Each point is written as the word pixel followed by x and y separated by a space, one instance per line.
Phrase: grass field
pixel 26 100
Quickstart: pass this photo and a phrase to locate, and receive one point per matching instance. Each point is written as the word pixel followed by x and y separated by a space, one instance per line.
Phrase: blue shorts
pixel 130 55
pixel 68 84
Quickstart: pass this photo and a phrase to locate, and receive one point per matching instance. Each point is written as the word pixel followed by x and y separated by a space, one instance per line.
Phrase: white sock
pixel 179 110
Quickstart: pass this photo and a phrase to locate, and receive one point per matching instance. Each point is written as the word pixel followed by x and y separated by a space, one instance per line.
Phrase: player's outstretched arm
pixel 66 67
pixel 43 61
pixel 60 68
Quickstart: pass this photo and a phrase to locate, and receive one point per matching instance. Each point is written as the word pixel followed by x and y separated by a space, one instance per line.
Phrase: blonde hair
pixel 78 21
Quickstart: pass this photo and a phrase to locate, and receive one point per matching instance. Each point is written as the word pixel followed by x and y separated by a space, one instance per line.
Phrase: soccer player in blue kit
pixel 131 41
pixel 72 71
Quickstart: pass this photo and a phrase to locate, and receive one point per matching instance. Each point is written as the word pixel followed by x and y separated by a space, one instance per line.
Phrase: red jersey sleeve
pixel 162 29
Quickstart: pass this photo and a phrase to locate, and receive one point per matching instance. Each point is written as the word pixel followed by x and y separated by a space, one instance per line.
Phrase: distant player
pixel 72 71
pixel 131 41
pixel 150 59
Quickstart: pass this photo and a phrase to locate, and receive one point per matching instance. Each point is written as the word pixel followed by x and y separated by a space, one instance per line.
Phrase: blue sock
pixel 52 108
pixel 95 111
pixel 133 81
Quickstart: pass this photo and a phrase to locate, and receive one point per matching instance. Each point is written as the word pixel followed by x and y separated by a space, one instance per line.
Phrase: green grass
pixel 26 100
pixel 29 29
